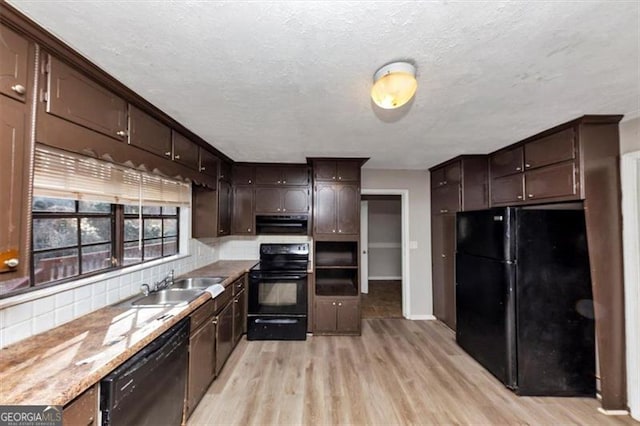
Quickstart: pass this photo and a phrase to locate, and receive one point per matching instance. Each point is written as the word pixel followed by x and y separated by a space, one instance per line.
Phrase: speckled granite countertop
pixel 54 367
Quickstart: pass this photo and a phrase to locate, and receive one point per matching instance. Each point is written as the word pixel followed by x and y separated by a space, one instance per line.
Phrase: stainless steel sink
pixel 199 282
pixel 167 298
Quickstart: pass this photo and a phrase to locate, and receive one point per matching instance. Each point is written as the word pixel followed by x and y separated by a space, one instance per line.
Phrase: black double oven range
pixel 278 293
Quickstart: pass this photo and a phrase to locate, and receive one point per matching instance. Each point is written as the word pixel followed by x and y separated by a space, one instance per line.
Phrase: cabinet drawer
pixel 79 99
pixel 445 199
pixel 550 150
pixel 223 299
pixel 202 313
pixel 506 162
pixel 558 180
pixel 508 189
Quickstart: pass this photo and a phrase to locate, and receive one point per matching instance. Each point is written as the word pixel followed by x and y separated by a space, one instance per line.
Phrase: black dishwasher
pixel 149 389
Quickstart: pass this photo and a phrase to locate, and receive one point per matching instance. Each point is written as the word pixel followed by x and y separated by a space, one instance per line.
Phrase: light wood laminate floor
pixel 397 372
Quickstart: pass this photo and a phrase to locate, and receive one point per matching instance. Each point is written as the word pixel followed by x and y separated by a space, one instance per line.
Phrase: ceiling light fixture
pixel 394 85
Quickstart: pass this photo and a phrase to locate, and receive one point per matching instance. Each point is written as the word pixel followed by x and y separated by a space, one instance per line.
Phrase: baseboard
pixel 613 412
pixel 385 278
pixel 421 317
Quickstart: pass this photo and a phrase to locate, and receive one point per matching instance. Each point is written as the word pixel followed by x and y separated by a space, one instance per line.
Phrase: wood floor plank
pixel 398 372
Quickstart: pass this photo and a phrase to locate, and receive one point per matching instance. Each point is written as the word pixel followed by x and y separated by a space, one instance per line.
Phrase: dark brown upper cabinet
pixel 289 175
pixel 147 133
pixel 224 208
pixel 445 199
pixel 557 180
pixel 274 200
pixel 475 183
pixel 185 152
pixel 507 190
pixel 506 162
pixel 14 60
pixel 75 97
pixel 208 163
pixel 337 209
pixel 341 171
pixel 225 171
pixel 552 149
pixel 243 217
pixel 447 175
pixel 243 174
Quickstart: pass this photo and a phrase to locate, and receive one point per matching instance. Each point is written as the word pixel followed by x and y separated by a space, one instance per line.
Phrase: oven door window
pixel 278 296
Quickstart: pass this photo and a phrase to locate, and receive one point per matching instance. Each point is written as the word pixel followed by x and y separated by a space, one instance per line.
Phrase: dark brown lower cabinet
pixel 336 315
pixel 224 336
pixel 82 411
pixel 239 315
pixel 443 261
pixel 201 363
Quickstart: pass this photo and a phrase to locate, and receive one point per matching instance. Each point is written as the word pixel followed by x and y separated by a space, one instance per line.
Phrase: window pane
pixel 96 257
pixel 53 233
pixel 132 254
pixel 131 209
pixel 170 246
pixel 152 228
pixel 95 229
pixel 152 249
pixel 170 227
pixel 45 204
pixel 131 229
pixel 169 211
pixel 94 207
pixel 55 265
pixel 151 210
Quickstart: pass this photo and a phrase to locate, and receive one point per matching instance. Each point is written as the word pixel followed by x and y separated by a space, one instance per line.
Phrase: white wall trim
pixel 422 317
pixel 630 178
pixel 404 201
pixel 384 278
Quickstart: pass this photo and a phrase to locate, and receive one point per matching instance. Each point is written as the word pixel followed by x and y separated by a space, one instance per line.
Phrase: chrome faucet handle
pixel 145 289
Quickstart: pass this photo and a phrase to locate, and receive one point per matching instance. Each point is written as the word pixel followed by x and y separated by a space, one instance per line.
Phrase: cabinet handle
pixel 333 177
pixel 176 157
pixel 444 211
pixel 444 183
pixel 279 182
pixel 443 255
pixel 334 303
pixel 202 169
pixel 518 168
pixel 167 154
pixel 339 230
pixel 278 208
pixel 527 165
pixel 236 301
pixel 249 180
pixel 284 181
pixel 339 177
pixel 19 89
pixel 530 195
pixel 333 230
pixel 248 229
pixel 339 303
pixel 214 322
pixel 12 263
pixel 519 197
pixel 121 133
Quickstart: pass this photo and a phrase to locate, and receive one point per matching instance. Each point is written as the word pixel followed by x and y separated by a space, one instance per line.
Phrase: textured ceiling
pixel 279 81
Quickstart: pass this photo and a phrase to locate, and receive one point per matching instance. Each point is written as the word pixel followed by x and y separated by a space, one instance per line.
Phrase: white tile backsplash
pixel 22 320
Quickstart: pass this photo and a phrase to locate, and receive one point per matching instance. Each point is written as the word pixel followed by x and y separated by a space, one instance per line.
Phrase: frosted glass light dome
pixel 394 85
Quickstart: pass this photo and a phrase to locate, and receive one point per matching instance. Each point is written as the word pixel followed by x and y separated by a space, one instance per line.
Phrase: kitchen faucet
pixel 160 285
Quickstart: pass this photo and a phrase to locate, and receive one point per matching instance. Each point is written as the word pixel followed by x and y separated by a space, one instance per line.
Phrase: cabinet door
pixel 325 209
pixel 82 411
pixel 448 269
pixel 295 200
pixel 185 152
pixel 348 316
pixel 453 173
pixel 14 61
pixel 324 316
pixel 149 134
pixel 225 171
pixel 78 99
pixel 437 263
pixel 201 368
pixel 224 336
pixel 295 175
pixel 268 175
pixel 437 177
pixel 208 163
pixel 238 316
pixel 224 208
pixel 243 217
pixel 242 175
pixel 204 212
pixel 506 162
pixel 508 189
pixel 12 188
pixel 551 149
pixel 348 213
pixel 475 184
pixel 324 170
pixel 445 199
pixel 348 171
pixel 268 200
pixel 558 180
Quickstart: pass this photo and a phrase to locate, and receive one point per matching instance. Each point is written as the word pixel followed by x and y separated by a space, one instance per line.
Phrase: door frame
pixel 404 215
pixel 364 246
pixel 630 182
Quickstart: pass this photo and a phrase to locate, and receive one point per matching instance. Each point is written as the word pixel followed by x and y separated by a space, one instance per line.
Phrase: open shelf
pixel 336 254
pixel 337 282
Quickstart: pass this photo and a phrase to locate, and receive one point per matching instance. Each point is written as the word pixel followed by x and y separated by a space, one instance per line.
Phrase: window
pixel 73 238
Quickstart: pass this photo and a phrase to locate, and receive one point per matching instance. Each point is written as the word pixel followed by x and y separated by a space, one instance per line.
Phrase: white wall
pixel 630 135
pixel 384 237
pixel 416 182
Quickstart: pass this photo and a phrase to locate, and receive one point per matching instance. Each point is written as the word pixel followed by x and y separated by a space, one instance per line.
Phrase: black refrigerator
pixel 524 305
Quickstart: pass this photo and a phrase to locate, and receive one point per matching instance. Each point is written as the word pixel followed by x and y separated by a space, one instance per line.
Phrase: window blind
pixel 60 174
